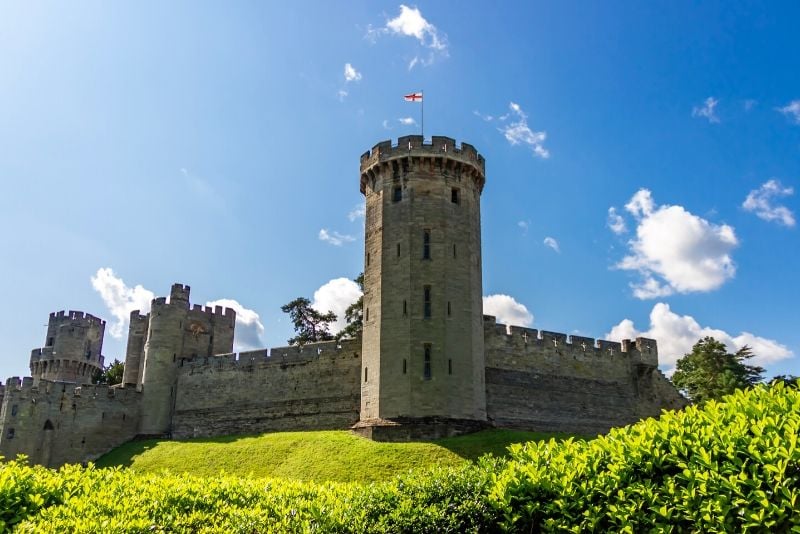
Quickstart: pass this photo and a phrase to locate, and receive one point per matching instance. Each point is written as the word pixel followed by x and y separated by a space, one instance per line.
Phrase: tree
pixel 354 314
pixel 710 371
pixel 789 381
pixel 309 324
pixel 111 374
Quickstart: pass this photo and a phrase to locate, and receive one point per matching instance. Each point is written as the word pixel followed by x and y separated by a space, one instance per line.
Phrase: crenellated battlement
pixel 642 350
pixel 219 311
pixel 465 155
pixel 288 355
pixel 77 316
pixel 15 387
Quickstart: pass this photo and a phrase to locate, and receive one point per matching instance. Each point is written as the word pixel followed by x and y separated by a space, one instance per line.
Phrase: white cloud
pixel 616 222
pixel 792 110
pixel 358 212
pixel 249 333
pixel 487 118
pixel 411 23
pixel 386 125
pixel 525 225
pixel 552 243
pixel 707 110
pixel 336 295
pixel 759 201
pixel 676 334
pixel 335 238
pixel 507 310
pixel 351 74
pixel 342 95
pixel 120 299
pixel 407 121
pixel 676 251
pixel 518 132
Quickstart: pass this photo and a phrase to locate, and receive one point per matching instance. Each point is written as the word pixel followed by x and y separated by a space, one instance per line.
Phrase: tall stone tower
pixel 422 353
pixel 159 342
pixel 72 349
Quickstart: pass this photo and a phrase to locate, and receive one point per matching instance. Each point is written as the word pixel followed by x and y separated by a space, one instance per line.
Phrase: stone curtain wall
pixel 55 423
pixel 288 388
pixel 537 381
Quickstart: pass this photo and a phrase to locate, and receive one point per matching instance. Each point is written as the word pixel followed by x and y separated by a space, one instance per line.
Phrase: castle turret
pixel 175 332
pixel 73 349
pixel 423 353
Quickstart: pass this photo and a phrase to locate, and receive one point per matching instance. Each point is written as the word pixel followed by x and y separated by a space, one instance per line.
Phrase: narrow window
pixel 50 341
pixel 449 366
pixel 427 369
pixel 366 370
pixel 367 315
pixel 10 434
pixel 405 307
pixel 14 409
pixel 426 245
pixel 398 250
pixel 448 308
pixel 454 250
pixel 397 194
pixel 367 259
pixel 426 311
pixel 405 367
pixel 454 196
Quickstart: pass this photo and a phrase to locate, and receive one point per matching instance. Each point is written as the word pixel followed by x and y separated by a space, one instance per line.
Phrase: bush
pixel 728 466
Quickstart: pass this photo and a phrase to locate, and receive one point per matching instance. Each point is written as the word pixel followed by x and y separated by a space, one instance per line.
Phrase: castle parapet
pixel 414 145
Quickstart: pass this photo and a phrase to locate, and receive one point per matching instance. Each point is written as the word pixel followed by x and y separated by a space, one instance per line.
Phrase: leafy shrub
pixel 728 466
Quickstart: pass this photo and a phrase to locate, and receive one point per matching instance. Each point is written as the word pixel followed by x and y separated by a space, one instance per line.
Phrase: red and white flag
pixel 413 97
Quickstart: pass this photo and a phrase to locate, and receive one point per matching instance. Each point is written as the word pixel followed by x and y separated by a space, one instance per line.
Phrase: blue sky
pixel 643 159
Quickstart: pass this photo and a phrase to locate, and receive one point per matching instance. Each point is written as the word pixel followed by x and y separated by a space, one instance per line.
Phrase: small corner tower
pixel 423 354
pixel 72 350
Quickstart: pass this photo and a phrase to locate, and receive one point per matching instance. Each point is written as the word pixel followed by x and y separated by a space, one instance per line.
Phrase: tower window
pixel 367 315
pixel 405 307
pixel 455 196
pixel 454 250
pixel 405 366
pixel 426 297
pixel 50 341
pixel 366 371
pixel 10 433
pixel 398 250
pixel 367 259
pixel 397 194
pixel 449 366
pixel 448 308
pixel 14 409
pixel 426 372
pixel 426 244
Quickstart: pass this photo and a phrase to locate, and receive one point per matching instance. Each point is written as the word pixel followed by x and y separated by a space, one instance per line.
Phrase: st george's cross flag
pixel 413 97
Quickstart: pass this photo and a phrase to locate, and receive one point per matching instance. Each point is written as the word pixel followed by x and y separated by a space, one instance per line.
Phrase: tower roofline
pixel 414 145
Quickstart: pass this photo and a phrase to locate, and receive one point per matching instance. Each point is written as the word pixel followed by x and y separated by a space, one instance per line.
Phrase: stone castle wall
pixel 315 387
pixel 54 423
pixel 538 380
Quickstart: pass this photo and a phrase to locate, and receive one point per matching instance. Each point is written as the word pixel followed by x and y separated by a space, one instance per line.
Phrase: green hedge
pixel 730 466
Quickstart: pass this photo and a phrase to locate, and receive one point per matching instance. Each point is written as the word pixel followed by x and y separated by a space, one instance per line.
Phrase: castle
pixel 428 364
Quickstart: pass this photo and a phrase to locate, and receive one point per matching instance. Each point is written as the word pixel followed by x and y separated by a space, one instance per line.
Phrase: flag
pixel 413 97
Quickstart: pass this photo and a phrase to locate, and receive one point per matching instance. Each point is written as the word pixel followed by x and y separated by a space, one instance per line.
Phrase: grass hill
pixel 337 456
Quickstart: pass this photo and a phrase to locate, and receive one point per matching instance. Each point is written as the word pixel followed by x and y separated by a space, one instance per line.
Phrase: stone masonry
pixel 428 364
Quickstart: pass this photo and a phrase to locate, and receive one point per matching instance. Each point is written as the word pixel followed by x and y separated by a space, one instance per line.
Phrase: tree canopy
pixel 309 324
pixel 111 374
pixel 354 314
pixel 709 371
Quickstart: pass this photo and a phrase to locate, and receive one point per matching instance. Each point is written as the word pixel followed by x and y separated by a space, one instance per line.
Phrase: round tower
pixel 422 353
pixel 161 350
pixel 73 349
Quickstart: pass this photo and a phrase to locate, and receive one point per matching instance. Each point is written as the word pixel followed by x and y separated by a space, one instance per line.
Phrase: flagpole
pixel 422 115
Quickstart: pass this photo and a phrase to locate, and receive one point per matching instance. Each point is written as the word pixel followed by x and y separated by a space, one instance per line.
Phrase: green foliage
pixel 111 374
pixel 786 380
pixel 309 324
pixel 711 372
pixel 354 314
pixel 336 456
pixel 731 466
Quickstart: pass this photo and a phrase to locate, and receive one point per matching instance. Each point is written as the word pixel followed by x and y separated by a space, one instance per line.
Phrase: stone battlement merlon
pixel 74 315
pixel 648 348
pixel 15 386
pixel 280 355
pixel 219 311
pixel 413 145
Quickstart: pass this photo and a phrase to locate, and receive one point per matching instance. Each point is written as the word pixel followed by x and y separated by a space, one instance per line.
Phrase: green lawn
pixel 335 455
